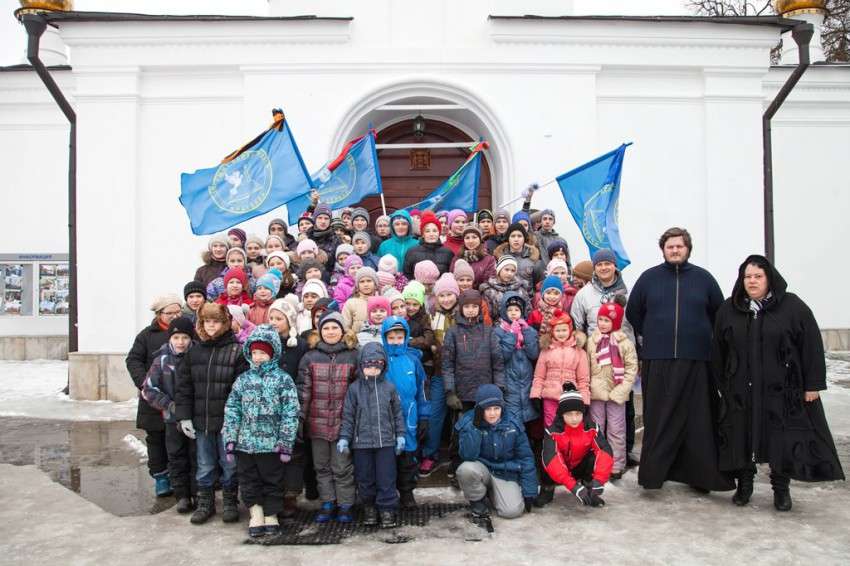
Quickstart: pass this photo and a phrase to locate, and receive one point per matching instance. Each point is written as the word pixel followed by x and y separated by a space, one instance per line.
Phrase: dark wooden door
pixel 407 175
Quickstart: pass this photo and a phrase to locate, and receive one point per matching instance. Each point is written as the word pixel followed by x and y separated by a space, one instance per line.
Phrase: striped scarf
pixel 608 353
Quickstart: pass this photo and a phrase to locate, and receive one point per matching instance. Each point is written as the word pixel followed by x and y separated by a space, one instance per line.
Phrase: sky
pixel 13 38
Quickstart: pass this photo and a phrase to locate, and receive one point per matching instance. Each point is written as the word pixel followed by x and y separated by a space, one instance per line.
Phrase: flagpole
pixel 383 204
pixel 520 197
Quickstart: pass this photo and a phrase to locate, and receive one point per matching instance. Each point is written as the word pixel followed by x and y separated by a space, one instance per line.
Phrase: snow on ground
pixel 34 389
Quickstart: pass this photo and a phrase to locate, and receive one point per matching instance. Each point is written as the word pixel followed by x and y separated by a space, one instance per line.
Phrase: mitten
pixel 285 454
pixel 453 401
pixel 187 428
pixel 399 445
pixel 342 446
pixel 582 493
pixel 596 490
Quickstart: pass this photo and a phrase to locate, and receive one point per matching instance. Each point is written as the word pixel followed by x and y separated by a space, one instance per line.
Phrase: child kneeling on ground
pixel 575 452
pixel 373 427
pixel 260 423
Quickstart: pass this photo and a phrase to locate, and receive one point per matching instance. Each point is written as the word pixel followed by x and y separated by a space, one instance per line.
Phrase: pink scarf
pixel 516 327
pixel 607 352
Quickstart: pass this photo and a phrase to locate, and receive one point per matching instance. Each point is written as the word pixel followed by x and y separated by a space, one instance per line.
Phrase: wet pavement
pixel 91 459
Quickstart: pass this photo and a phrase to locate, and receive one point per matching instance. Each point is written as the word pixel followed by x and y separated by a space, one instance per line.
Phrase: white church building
pixel 155 96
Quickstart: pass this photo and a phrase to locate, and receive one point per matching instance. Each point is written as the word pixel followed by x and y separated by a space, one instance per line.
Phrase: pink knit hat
pixel 455 214
pixel 386 279
pixel 446 284
pixel 426 272
pixel 353 259
pixel 389 264
pixel 377 302
pixel 463 269
pixel 307 245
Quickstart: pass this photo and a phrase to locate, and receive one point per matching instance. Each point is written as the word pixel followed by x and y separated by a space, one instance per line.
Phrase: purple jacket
pixel 343 290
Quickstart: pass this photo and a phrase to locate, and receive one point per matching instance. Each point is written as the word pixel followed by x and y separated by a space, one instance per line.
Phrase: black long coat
pixel 139 360
pixel 763 365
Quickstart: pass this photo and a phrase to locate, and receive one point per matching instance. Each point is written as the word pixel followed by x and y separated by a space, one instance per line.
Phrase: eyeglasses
pixel 171 313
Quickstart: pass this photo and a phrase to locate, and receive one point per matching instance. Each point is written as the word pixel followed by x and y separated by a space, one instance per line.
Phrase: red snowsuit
pixel 573 454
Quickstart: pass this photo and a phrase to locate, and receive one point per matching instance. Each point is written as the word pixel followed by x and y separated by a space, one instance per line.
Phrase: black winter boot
pixel 479 508
pixel 370 516
pixel 547 494
pixel 781 491
pixel 388 519
pixel 206 507
pixel 407 500
pixel 184 505
pixel 229 505
pixel 745 487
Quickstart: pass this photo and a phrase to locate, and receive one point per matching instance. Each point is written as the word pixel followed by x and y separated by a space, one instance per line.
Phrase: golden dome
pixel 788 8
pixel 51 5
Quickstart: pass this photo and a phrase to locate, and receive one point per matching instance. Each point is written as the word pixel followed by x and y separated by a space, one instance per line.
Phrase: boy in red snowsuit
pixel 575 452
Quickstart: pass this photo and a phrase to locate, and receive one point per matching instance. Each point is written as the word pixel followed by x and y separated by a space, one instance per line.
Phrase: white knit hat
pixel 315 286
pixel 162 301
pixel 285 307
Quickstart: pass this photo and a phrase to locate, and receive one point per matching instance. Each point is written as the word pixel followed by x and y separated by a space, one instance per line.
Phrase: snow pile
pixel 34 389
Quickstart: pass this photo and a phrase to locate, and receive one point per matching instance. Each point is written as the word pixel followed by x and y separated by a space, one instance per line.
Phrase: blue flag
pixel 458 191
pixel 591 192
pixel 261 176
pixel 348 179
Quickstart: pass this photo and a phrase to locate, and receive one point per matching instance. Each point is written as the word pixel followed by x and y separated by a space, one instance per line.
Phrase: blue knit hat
pixel 271 281
pixel 521 215
pixel 488 395
pixel 603 255
pixel 552 282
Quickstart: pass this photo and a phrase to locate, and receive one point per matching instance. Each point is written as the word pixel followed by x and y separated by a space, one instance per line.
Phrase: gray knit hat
pixel 367 272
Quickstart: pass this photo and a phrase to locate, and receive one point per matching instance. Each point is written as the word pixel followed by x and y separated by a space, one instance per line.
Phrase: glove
pixel 596 490
pixel 342 446
pixel 581 493
pixel 529 504
pixel 285 455
pixel 228 450
pixel 187 428
pixel 399 445
pixel 453 401
pixel 537 403
pixel 422 430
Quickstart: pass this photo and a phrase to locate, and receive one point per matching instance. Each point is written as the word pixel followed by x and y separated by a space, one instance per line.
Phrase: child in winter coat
pixel 405 371
pixel 204 381
pixel 561 360
pixel 558 268
pixel 260 424
pixel 421 335
pixel 313 290
pixel 267 288
pixel 377 309
pixel 575 452
pixel 397 305
pixel 613 368
pixel 362 243
pixel 241 326
pixel 389 264
pixel 443 318
pixel 160 390
pixel 343 251
pixel 236 257
pixel 471 357
pixel 236 285
pixel 354 312
pixel 307 270
pixel 214 260
pixel 506 279
pixel 465 278
pixel 519 348
pixel 373 427
pixel 325 373
pixel 427 273
pixel 345 286
pixel 280 261
pixel 552 293
pixel 195 296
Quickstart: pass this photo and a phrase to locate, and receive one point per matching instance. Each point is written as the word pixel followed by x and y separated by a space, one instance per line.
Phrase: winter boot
pixel 479 508
pixel 407 500
pixel 370 516
pixel 343 514
pixel 206 507
pixel 162 484
pixel 272 527
pixel 745 488
pixel 388 519
pixel 229 505
pixel 290 508
pixel 326 512
pixel 547 494
pixel 256 524
pixel 184 505
pixel 781 491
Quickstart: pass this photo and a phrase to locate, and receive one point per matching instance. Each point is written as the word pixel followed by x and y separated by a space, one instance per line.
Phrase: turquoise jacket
pixel 261 414
pixel 398 246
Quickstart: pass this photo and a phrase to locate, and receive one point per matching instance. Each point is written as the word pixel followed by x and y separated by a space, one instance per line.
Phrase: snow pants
pixel 407 471
pixel 182 464
pixel 157 453
pixel 375 472
pixel 334 472
pixel 476 481
pixel 611 418
pixel 261 481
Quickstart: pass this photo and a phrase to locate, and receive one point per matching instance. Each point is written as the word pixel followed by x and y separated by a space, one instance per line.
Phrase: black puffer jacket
pixel 327 241
pixel 206 377
pixel 472 356
pixel 436 252
pixel 763 364
pixel 139 361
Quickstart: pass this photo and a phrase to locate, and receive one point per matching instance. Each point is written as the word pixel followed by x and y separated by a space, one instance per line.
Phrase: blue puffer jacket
pixel 398 246
pixel 261 414
pixel 502 447
pixel 405 371
pixel 371 417
pixel 672 309
pixel 519 364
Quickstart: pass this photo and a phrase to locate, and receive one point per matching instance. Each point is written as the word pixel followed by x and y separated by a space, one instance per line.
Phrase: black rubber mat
pixel 303 530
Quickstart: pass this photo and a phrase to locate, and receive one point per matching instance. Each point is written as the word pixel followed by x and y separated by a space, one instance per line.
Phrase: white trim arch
pixel 482 121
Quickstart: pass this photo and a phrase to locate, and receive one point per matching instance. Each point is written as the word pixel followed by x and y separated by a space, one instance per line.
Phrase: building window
pixel 32 287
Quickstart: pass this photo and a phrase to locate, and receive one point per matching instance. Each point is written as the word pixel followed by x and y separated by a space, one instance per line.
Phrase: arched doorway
pixel 407 175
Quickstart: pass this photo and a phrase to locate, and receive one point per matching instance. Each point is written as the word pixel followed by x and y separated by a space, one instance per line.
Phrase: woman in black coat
pixel 430 247
pixel 768 362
